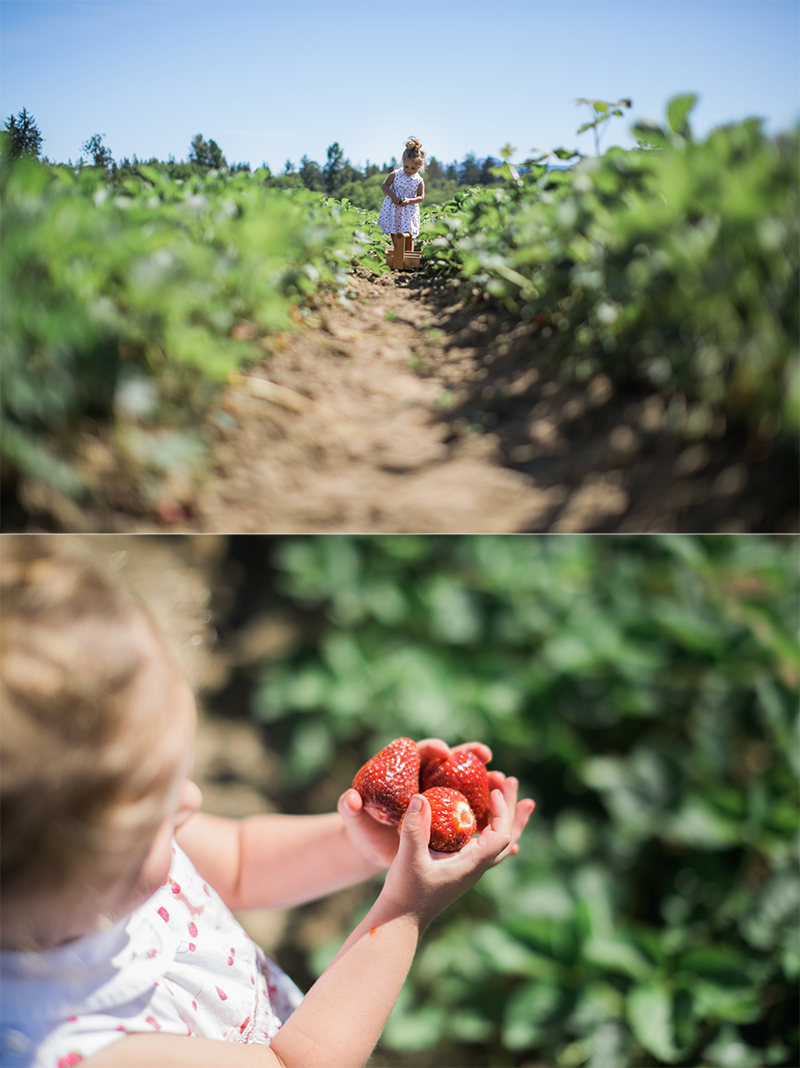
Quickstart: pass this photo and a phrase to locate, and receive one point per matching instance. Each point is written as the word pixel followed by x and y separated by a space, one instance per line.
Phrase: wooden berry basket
pixel 402 255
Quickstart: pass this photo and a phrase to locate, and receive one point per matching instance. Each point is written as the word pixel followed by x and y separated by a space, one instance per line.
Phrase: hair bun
pixel 413 143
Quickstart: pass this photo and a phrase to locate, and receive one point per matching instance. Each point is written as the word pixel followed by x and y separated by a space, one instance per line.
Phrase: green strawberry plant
pixel 674 265
pixel 168 281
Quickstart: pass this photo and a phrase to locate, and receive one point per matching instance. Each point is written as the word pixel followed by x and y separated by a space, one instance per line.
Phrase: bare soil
pixel 401 409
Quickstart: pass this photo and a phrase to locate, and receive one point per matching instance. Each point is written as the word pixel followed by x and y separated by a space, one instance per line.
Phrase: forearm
pixel 342 1016
pixel 273 861
pixel 288 860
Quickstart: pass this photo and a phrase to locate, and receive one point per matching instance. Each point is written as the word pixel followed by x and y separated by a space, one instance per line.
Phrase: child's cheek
pixel 156 867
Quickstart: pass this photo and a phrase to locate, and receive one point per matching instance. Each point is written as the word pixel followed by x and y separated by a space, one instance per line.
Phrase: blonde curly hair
pixel 414 153
pixel 75 777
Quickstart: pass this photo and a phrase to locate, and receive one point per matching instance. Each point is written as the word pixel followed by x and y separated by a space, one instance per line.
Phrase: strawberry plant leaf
pixel 650 1017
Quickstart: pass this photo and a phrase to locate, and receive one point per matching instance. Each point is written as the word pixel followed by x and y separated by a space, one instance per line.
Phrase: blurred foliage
pixel 644 690
pixel 675 264
pixel 172 282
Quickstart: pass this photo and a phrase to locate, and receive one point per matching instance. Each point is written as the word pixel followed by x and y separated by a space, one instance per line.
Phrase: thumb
pixel 350 805
pixel 415 830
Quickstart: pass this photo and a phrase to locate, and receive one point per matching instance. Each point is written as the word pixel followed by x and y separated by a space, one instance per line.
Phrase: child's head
pixel 96 748
pixel 413 156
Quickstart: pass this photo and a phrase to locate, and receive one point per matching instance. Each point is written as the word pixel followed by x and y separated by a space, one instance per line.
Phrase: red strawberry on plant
pixel 464 772
pixel 389 780
pixel 452 820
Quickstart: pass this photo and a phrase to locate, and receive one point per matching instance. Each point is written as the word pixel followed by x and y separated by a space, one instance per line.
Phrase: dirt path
pixel 400 410
pixel 370 452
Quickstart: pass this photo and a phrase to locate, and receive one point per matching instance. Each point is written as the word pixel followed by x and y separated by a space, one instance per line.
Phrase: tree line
pixel 337 176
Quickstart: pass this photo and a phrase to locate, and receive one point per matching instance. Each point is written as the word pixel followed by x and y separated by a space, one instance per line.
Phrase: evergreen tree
pixel 217 158
pixel 206 154
pixel 487 178
pixel 100 153
pixel 24 135
pixel 333 171
pixel 433 170
pixel 470 170
pixel 310 174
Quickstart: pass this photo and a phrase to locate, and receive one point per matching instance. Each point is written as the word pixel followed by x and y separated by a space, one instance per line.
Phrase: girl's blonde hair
pixel 72 644
pixel 414 152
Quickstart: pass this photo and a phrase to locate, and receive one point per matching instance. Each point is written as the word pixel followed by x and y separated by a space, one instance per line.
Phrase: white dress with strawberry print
pixel 180 964
pixel 401 219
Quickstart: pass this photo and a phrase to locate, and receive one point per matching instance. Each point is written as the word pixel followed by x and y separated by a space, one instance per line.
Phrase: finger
pixel 415 832
pixel 350 804
pixel 478 749
pixel 495 837
pixel 520 815
pixel 432 749
pixel 496 780
pixel 501 805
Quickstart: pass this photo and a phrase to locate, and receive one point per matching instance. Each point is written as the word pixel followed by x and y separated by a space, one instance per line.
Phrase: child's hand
pixel 436 749
pixel 376 842
pixel 423 882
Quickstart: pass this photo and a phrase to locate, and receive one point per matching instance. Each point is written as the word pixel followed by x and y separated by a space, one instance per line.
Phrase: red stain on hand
pixel 372 930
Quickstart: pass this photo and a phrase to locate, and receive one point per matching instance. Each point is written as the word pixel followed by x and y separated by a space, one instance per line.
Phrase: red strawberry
pixel 389 780
pixel 462 771
pixel 452 820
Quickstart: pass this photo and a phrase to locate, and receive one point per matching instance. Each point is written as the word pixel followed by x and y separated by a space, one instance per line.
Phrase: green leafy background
pixel 644 691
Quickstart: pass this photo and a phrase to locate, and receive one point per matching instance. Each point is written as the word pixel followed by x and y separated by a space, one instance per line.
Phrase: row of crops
pixel 674 265
pixel 145 296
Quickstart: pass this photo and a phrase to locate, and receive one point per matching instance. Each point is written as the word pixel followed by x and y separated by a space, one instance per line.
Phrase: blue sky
pixel 272 80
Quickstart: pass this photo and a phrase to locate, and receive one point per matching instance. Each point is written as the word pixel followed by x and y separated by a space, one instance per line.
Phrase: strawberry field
pixel 669 272
pixel 644 691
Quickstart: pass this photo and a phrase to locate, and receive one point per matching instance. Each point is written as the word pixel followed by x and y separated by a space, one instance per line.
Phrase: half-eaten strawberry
pixel 452 820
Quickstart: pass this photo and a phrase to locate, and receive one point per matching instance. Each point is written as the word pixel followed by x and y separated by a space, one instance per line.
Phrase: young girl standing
pixel 118 942
pixel 405 191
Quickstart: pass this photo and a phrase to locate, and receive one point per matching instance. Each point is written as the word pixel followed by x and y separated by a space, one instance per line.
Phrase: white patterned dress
pixel 180 964
pixel 394 219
